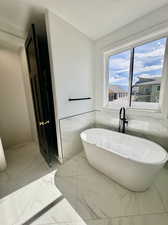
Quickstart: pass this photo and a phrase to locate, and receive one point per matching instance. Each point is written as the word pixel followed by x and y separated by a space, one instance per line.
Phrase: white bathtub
pixel 131 161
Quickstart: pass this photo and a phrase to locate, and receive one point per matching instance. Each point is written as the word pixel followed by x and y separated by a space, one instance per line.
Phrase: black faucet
pixel 122 120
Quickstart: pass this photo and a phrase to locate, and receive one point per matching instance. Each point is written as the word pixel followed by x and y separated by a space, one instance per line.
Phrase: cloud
pixel 119 64
pixel 119 70
pixel 148 62
pixel 157 52
pixel 118 81
pixel 139 68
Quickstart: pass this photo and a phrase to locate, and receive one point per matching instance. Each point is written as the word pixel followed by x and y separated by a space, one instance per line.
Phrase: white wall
pixel 71 55
pixel 28 93
pixel 14 119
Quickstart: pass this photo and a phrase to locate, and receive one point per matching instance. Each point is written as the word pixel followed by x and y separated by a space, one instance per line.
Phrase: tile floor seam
pixel 160 196
pixel 118 217
pixel 125 216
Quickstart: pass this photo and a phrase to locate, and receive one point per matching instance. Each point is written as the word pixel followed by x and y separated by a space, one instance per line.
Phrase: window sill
pixel 135 111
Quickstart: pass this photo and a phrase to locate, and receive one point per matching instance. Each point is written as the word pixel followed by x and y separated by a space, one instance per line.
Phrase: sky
pixel 148 62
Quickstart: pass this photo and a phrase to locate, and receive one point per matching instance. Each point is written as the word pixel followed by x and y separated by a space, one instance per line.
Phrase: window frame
pixel 130 48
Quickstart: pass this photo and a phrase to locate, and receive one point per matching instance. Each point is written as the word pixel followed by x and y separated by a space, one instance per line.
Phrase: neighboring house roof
pixel 148 81
pixel 117 89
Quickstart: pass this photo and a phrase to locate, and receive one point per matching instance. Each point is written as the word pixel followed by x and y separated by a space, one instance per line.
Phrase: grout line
pixel 160 197
pixel 43 211
pixel 80 114
pixel 136 215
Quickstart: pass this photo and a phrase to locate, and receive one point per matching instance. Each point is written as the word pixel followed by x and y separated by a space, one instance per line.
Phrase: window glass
pixel 147 73
pixel 118 85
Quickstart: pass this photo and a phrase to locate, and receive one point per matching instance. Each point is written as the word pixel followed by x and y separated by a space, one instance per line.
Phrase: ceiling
pixel 95 18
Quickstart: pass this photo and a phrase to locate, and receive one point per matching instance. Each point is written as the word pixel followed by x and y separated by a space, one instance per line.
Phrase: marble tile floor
pixel 24 165
pixel 99 200
pixel 84 196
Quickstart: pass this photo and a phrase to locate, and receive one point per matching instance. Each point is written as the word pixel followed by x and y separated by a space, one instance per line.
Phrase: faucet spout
pixel 122 120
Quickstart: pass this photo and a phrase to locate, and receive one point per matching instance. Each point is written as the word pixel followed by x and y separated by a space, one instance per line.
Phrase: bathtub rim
pixel 124 156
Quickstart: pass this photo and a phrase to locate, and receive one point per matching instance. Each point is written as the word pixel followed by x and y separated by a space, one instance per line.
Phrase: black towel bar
pixel 78 99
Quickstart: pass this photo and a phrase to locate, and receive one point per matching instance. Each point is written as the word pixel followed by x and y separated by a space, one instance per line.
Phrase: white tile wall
pixel 70 129
pixel 154 129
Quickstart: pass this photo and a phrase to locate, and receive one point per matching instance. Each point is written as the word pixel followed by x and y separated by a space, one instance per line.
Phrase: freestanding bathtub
pixel 131 161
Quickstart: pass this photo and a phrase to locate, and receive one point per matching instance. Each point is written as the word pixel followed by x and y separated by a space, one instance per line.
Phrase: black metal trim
pixel 78 99
pixel 131 73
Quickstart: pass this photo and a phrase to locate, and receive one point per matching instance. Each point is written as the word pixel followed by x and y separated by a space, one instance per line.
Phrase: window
pixel 119 78
pixel 134 76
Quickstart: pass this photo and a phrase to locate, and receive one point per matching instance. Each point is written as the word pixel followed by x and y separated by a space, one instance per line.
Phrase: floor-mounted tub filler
pixel 131 161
